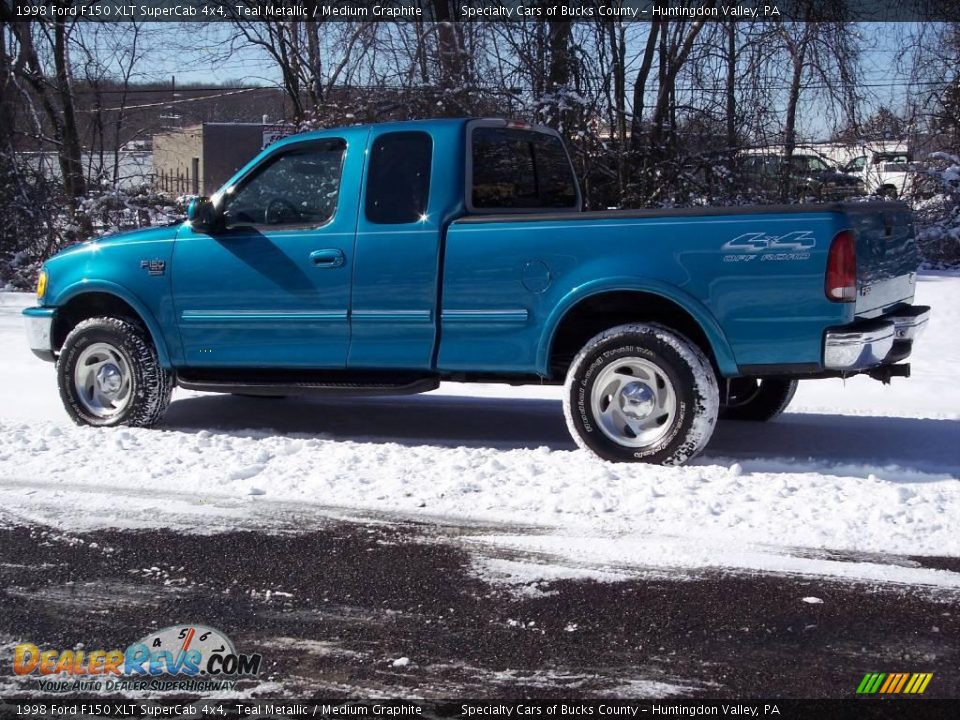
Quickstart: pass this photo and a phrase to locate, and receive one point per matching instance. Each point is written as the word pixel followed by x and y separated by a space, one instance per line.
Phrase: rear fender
pixel 722 353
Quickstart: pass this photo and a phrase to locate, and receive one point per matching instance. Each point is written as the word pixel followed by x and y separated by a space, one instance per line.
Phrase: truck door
pixel 272 287
pixel 395 270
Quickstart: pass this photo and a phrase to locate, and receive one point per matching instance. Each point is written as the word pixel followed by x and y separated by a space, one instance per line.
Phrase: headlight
pixel 41 285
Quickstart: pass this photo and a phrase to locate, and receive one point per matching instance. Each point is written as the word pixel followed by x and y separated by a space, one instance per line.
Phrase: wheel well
pixel 597 313
pixel 90 305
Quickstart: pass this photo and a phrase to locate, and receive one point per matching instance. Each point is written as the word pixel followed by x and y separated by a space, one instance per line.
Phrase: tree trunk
pixel 640 86
pixel 798 56
pixel 558 75
pixel 675 58
pixel 71 162
pixel 315 68
pixel 618 71
pixel 731 86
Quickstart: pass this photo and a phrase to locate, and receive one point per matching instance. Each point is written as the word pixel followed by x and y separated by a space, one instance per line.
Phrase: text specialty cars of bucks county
pixel 384 259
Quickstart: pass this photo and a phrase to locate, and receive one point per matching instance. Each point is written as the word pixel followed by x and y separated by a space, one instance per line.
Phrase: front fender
pixel 722 352
pixel 104 286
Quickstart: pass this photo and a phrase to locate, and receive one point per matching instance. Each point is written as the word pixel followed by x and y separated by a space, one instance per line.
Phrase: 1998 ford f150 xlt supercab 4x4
pixel 384 259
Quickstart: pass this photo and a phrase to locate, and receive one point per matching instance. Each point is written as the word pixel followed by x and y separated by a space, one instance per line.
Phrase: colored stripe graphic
pixel 894 683
pixel 903 680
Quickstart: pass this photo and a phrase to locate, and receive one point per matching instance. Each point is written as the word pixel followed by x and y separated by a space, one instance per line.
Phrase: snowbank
pixel 855 467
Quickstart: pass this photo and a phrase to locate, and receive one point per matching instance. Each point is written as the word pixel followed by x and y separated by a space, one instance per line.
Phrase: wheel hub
pixel 634 402
pixel 102 380
pixel 109 379
pixel 637 400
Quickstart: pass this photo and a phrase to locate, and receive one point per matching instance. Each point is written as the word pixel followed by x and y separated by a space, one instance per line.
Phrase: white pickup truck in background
pixel 886 173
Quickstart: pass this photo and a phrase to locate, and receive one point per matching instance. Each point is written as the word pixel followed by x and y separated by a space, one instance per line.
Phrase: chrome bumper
pixel 871 343
pixel 39 326
pixel 909 323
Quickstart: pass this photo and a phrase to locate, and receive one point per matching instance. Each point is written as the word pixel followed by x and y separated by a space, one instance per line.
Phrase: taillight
pixel 841 280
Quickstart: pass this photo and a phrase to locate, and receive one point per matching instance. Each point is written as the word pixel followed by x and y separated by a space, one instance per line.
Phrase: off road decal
pixel 757 245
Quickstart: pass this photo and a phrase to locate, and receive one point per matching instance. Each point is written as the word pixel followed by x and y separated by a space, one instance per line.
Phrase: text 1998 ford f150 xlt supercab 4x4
pixel 387 258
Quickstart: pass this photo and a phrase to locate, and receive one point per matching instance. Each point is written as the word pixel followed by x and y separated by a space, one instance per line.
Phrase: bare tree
pixel 42 62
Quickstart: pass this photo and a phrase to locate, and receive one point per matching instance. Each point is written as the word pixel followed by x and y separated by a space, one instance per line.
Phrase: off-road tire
pixel 151 384
pixel 764 402
pixel 691 377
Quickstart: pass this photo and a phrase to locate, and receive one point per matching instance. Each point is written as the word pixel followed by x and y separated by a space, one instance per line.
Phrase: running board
pixel 306 384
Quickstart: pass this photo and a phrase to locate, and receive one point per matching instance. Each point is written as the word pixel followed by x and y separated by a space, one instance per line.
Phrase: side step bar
pixel 271 387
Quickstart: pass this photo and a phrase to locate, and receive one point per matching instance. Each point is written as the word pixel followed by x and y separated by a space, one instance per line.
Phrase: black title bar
pixel 482 10
pixel 339 709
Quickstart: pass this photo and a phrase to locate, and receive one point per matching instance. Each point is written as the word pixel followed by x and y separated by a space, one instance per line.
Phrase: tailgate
pixel 887 257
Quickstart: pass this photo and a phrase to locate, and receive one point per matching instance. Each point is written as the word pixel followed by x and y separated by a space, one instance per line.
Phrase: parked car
pixel 889 174
pixel 386 259
pixel 809 176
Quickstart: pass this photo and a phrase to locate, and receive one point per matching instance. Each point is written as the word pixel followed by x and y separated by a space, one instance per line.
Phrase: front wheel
pixel 109 374
pixel 758 399
pixel 641 393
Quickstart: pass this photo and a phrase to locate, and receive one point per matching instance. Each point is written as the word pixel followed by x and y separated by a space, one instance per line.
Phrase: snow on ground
pixel 854 467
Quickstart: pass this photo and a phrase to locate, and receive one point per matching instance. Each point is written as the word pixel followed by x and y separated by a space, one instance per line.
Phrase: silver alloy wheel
pixel 634 402
pixel 102 380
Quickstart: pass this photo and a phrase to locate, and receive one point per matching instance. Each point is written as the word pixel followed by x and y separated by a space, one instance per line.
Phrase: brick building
pixel 197 160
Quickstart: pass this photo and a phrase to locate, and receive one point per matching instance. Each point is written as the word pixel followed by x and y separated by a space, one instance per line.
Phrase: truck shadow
pixel 443 420
pixel 798 442
pixel 794 443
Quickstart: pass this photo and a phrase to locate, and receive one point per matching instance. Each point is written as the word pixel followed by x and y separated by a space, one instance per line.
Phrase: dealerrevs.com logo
pixel 177 658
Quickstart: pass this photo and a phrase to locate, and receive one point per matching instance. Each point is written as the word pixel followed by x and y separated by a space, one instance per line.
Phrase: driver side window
pixel 299 187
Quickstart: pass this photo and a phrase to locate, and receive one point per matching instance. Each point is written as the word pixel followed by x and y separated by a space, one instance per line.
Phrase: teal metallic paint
pixel 112 265
pixel 756 312
pixel 275 297
pixel 396 267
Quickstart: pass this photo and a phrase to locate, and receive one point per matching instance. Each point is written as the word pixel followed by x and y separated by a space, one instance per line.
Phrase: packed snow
pixel 852 482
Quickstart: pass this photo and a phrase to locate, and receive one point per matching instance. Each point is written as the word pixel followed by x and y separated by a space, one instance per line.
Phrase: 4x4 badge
pixel 762 242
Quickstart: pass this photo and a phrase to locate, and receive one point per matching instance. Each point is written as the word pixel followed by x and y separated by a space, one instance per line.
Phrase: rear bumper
pixel 39 326
pixel 866 344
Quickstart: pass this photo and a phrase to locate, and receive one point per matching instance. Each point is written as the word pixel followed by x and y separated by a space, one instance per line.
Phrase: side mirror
pixel 203 214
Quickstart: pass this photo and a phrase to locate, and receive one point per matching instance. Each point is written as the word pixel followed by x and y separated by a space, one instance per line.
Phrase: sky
pixel 886 84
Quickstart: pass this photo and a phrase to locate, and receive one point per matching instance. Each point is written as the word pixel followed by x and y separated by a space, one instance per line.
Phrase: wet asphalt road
pixel 331 610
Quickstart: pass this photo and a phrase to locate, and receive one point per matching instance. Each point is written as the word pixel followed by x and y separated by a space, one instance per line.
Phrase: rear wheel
pixel 109 374
pixel 758 399
pixel 641 393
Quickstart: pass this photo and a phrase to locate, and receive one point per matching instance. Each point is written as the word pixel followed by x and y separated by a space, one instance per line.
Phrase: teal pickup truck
pixel 387 258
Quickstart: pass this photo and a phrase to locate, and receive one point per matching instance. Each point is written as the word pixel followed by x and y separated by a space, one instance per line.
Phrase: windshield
pixel 808 163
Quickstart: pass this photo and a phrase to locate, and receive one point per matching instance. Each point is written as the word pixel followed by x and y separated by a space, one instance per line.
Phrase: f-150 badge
pixel 750 246
pixel 154 267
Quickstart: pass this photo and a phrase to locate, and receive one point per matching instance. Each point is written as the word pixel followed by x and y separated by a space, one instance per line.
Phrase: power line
pixel 133 90
pixel 181 90
pixel 167 103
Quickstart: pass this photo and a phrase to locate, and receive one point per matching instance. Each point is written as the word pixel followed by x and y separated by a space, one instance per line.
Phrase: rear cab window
pixel 512 169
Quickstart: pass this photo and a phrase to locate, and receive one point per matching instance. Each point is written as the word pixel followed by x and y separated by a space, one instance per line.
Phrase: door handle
pixel 328 258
